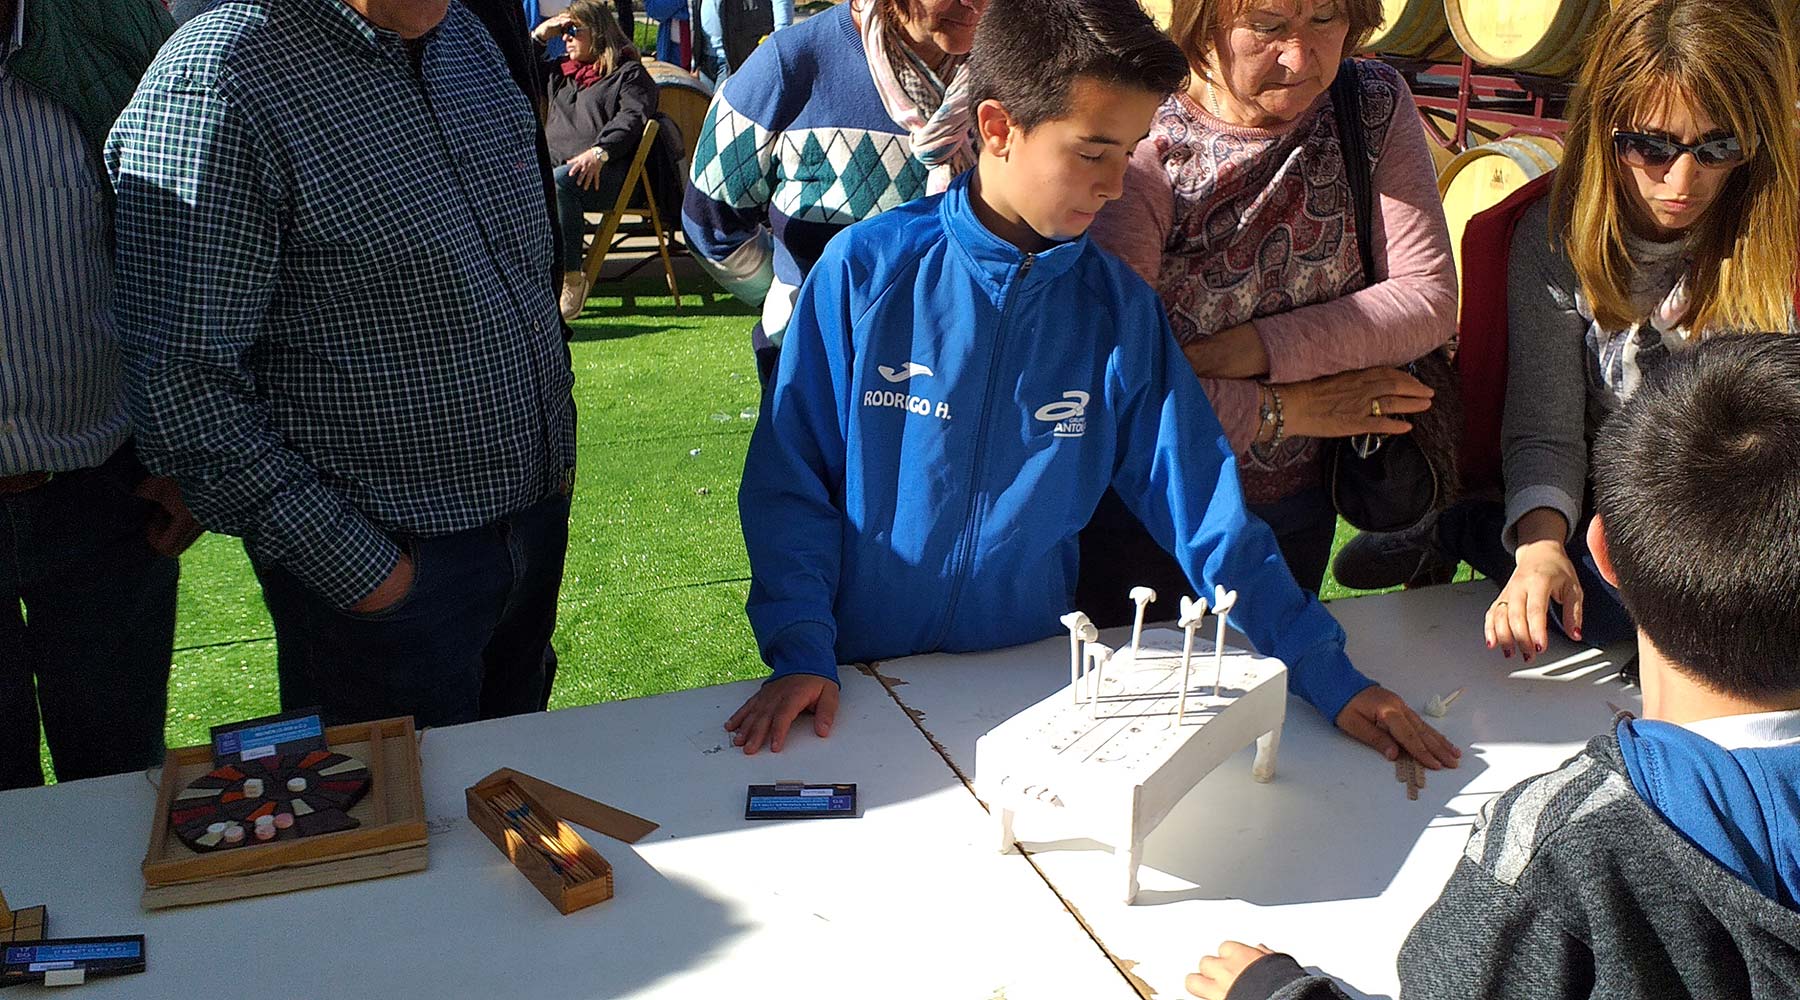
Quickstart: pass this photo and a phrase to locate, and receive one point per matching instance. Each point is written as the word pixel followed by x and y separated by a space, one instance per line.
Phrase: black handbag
pixel 1385 482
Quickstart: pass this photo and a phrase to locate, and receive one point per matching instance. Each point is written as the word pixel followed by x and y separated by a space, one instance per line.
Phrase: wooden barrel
pixel 1482 177
pixel 1545 37
pixel 682 96
pixel 1415 29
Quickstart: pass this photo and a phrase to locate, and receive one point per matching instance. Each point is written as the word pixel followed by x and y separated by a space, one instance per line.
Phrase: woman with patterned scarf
pixel 1238 210
pixel 845 115
pixel 1672 219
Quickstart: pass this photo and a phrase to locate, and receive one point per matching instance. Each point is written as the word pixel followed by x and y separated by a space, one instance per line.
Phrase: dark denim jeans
pixel 1117 554
pixel 467 642
pixel 573 202
pixel 1470 530
pixel 91 652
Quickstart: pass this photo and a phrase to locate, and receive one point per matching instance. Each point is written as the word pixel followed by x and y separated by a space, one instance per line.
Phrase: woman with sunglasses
pixel 1672 219
pixel 600 96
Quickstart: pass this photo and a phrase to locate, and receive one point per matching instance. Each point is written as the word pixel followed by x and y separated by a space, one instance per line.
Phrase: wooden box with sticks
pixel 353 810
pixel 547 850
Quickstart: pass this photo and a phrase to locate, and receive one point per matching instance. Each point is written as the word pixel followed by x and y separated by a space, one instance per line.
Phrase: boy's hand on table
pixel 1384 720
pixel 770 712
pixel 1218 972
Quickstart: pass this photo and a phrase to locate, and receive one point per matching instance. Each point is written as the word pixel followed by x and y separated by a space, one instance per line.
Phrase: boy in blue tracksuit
pixel 963 378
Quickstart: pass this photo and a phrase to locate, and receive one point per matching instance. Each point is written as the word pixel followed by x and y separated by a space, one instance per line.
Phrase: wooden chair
pixel 635 199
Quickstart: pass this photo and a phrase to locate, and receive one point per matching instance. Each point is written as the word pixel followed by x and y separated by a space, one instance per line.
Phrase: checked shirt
pixel 330 285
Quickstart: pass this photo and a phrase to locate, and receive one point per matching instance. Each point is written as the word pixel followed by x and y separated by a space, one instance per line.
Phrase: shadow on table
pixel 654 928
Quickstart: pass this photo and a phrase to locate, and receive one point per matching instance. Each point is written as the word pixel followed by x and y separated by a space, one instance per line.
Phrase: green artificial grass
pixel 654 586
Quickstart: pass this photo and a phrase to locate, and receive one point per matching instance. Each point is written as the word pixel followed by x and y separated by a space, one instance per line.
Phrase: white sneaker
pixel 574 294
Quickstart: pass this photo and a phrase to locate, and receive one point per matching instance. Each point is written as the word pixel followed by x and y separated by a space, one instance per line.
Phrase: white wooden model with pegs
pixel 1134 733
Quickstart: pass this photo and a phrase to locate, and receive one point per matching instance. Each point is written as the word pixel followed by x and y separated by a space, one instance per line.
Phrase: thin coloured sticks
pixel 550 843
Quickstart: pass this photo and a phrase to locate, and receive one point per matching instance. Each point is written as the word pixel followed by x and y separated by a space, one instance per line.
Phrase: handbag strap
pixel 1346 104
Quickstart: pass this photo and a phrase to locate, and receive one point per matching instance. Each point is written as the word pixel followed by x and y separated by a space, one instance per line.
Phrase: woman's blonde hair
pixel 1736 61
pixel 597 17
pixel 1193 22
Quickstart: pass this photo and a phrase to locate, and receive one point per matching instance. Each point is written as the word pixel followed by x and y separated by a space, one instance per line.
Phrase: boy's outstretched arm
pixel 793 523
pixel 1177 472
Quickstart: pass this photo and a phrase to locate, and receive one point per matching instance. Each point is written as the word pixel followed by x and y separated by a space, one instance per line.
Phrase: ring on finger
pixel 1499 604
pixel 1375 407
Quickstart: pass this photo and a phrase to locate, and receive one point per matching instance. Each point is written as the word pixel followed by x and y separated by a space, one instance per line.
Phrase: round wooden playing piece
pixel 218 827
pixel 330 785
pixel 284 820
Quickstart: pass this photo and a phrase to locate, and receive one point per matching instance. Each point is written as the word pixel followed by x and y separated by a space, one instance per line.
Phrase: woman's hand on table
pixel 771 711
pixel 1519 617
pixel 1235 352
pixel 585 168
pixel 1383 720
pixel 1218 973
pixel 1362 401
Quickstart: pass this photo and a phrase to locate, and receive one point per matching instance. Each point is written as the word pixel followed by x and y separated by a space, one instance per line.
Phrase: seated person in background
pixel 1671 220
pixel 1664 860
pixel 967 374
pixel 600 97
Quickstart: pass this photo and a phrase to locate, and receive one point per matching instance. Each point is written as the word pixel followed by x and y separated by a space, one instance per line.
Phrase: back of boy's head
pixel 1029 53
pixel 1697 483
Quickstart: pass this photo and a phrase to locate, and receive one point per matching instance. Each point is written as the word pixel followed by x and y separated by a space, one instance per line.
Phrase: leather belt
pixel 24 482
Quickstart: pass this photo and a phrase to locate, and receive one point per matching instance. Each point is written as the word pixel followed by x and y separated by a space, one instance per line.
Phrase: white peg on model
pixel 1078 626
pixel 1223 601
pixel 1140 596
pixel 1192 614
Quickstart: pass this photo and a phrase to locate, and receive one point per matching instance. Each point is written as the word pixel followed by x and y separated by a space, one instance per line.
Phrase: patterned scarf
pixel 938 117
pixel 1626 356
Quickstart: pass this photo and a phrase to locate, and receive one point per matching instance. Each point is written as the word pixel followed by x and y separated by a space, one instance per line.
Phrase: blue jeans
pixel 1471 531
pixel 91 654
pixel 573 202
pixel 466 642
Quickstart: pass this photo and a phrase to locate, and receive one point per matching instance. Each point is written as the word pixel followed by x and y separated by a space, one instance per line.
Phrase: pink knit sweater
pixel 1234 224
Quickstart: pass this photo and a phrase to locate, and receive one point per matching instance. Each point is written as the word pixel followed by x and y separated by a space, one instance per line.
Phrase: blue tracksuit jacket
pixel 948 412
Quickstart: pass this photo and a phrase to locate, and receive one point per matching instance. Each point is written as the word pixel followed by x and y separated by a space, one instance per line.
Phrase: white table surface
pixel 1331 861
pixel 908 900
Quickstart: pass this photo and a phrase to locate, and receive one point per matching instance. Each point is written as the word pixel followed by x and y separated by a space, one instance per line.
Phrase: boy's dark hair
pixel 1028 54
pixel 1697 481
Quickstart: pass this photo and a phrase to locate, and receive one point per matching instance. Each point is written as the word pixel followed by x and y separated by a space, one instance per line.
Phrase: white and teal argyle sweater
pixel 795 147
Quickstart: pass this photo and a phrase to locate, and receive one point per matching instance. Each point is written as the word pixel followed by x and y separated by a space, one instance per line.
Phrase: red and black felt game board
pixel 334 783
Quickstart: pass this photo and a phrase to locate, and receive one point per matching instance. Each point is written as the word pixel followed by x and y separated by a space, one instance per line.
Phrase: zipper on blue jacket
pixel 966 543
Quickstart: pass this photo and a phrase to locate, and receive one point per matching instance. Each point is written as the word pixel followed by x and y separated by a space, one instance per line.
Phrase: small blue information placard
pixel 290 732
pixel 62 957
pixel 800 801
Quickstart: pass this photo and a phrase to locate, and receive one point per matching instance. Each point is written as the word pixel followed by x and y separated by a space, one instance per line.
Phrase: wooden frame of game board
pixel 391 839
pixel 566 896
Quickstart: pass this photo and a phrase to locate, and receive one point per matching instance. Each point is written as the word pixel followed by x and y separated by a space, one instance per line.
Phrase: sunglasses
pixel 1640 149
pixel 573 31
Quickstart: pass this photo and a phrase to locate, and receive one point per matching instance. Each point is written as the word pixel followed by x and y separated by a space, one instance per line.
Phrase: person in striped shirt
pixel 87 540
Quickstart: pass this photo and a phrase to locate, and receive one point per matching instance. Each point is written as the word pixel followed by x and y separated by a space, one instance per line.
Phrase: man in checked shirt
pixel 339 339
